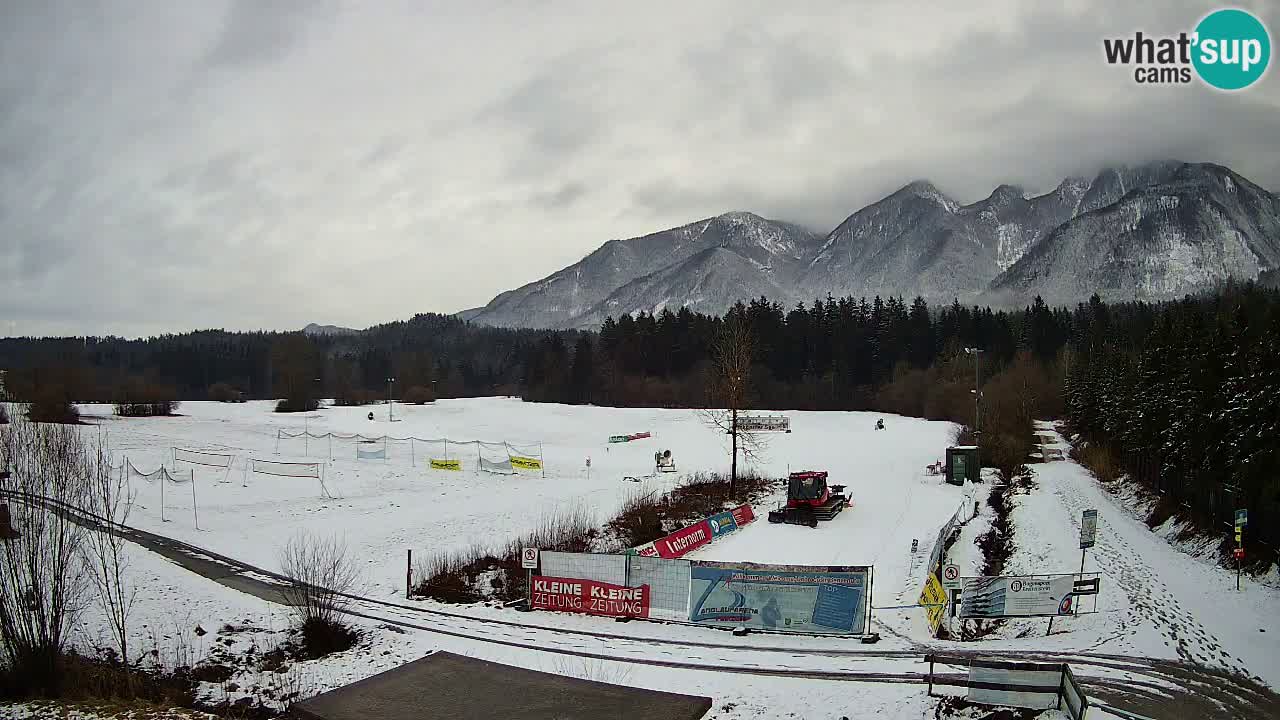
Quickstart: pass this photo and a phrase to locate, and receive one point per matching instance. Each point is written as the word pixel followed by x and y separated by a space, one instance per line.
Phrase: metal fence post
pixel 930 659
pixel 408 574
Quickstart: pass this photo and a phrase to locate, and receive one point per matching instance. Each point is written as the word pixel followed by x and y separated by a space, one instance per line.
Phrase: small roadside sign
pixel 529 558
pixel 1242 518
pixel 1085 587
pixel 951 577
pixel 1238 553
pixel 1088 528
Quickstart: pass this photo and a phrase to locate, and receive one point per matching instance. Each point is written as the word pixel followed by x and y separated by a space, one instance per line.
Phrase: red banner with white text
pixel 589 597
pixel 684 541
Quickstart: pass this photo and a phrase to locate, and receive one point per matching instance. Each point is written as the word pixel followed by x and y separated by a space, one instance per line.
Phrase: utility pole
pixel 390 405
pixel 977 405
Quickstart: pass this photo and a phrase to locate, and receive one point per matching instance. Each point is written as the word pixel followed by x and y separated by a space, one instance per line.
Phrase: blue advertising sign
pixel 722 524
pixel 797 598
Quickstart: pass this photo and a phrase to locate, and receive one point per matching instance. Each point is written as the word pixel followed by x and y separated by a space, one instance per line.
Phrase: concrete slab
pixel 444 686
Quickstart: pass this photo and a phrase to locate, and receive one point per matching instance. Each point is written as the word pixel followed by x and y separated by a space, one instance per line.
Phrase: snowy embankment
pixel 1156 600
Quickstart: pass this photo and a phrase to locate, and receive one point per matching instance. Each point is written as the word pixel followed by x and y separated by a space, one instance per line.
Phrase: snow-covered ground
pixel 385 508
pixel 1156 601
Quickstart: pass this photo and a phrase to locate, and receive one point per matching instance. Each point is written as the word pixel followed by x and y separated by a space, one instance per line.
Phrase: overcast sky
pixel 251 164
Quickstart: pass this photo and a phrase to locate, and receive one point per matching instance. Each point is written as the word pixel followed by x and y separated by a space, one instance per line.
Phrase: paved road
pixel 1150 687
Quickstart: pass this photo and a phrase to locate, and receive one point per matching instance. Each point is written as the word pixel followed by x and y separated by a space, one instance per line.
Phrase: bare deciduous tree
pixel 105 559
pixel 321 574
pixel 41 589
pixel 729 388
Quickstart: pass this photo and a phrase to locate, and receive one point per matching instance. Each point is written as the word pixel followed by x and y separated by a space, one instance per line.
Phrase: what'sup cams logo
pixel 1228 50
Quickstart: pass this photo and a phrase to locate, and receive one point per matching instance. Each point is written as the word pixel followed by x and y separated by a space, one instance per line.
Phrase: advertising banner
pixel 934 597
pixel 589 597
pixel 743 515
pixel 753 423
pixel 371 453
pixel 646 550
pixel 437 464
pixel 722 524
pixel 797 598
pixel 1017 596
pixel 684 540
pixel 619 438
pixel 526 463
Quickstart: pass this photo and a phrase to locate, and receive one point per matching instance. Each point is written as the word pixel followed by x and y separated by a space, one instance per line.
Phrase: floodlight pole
pixel 977 406
pixel 390 404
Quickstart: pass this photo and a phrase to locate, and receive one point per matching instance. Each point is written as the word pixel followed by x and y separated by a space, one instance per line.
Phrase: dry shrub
pixel 476 573
pixel 322 576
pixel 51 404
pixel 647 517
pixel 1099 459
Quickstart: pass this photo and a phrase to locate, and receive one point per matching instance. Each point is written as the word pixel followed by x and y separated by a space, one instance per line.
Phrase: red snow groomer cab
pixel 810 499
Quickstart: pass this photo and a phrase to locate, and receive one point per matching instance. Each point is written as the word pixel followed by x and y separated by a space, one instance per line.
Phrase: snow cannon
pixel 810 500
pixel 664 462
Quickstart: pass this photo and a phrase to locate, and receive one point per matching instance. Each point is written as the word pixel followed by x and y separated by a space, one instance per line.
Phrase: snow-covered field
pixel 384 508
pixel 1156 601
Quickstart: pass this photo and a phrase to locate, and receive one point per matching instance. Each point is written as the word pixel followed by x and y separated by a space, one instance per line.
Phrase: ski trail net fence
pixel 312 470
pixel 156 482
pixel 500 457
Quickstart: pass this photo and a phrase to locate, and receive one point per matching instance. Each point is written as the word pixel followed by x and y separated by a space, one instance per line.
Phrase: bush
pixel 162 408
pixel 288 405
pixel 322 575
pixel 418 395
pixel 1098 459
pixel 647 517
pixel 139 397
pixel 42 586
pixel 477 573
pixel 51 405
pixel 224 392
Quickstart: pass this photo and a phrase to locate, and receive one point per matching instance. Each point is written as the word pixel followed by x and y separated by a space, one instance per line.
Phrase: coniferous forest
pixel 1182 396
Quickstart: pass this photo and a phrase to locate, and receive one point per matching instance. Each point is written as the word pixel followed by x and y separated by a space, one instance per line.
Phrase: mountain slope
pixel 768 249
pixel 1152 231
pixel 1197 227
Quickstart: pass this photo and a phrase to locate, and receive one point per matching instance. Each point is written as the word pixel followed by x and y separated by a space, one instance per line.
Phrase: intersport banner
pixel 589 597
pixel 688 539
pixel 796 598
pixel 683 541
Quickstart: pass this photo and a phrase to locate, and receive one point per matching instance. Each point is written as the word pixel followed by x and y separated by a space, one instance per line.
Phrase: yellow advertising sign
pixel 446 464
pixel 526 463
pixel 934 598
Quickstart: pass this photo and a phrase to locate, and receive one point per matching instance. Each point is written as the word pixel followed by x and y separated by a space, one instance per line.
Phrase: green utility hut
pixel 962 464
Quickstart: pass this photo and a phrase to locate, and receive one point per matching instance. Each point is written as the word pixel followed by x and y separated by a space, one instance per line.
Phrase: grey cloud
pixel 272 164
pixel 262 32
pixel 561 197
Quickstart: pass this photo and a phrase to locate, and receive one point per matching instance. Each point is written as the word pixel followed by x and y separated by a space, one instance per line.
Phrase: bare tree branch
pixel 105 559
pixel 322 574
pixel 729 388
pixel 41 590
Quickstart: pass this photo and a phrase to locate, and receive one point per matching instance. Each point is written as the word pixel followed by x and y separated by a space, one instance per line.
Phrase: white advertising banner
pixel 1017 596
